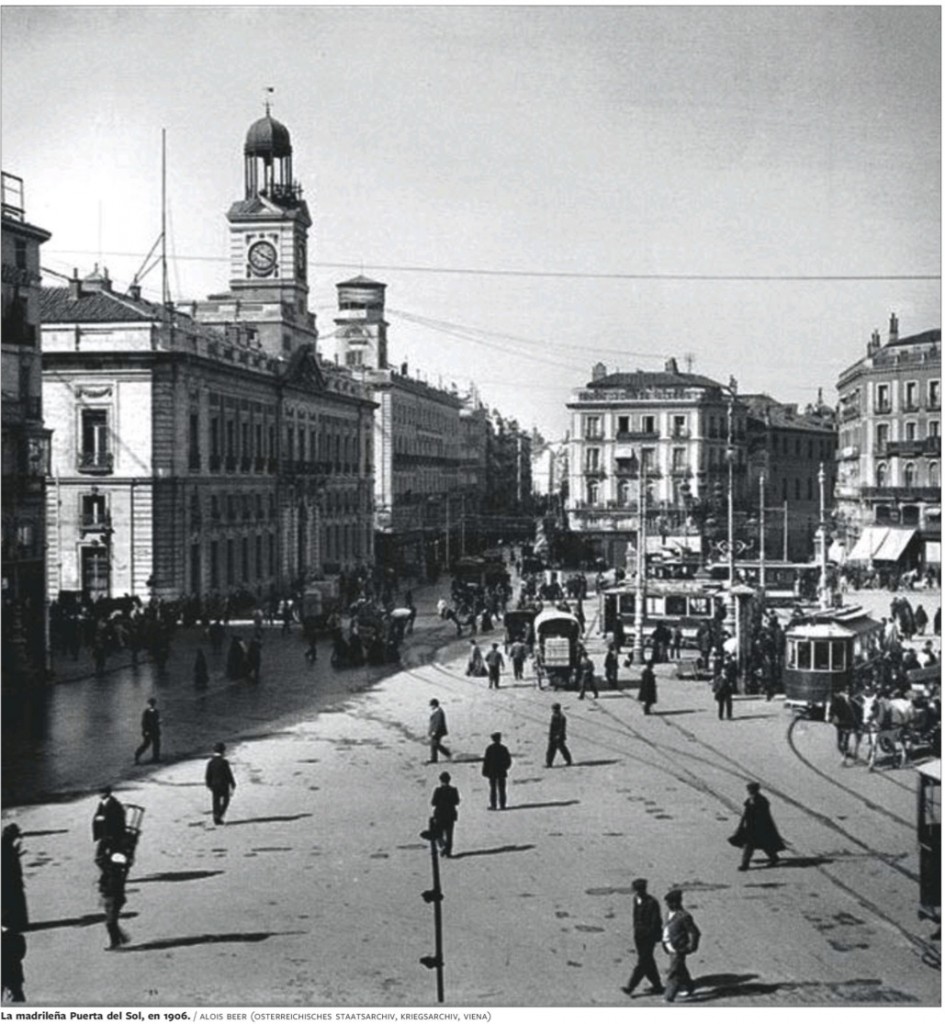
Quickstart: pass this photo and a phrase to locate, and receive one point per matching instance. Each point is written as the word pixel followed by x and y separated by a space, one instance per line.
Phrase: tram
pixel 827 652
pixel 557 636
pixel 786 583
pixel 685 603
pixel 929 835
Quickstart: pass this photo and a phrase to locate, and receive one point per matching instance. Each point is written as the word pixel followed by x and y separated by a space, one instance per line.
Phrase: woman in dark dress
pixel 757 829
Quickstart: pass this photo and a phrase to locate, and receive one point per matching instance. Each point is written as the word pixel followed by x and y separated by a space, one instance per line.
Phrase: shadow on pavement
pixel 495 849
pixel 803 862
pixel 748 718
pixel 74 922
pixel 46 832
pixel 727 986
pixel 550 803
pixel 200 940
pixel 174 876
pixel 681 711
pixel 275 817
pixel 596 764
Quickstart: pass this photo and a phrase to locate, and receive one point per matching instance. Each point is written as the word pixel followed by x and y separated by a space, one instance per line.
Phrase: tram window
pixel 822 655
pixel 654 606
pixel 838 661
pixel 803 654
pixel 699 607
pixel 792 654
pixel 676 604
pixel 627 604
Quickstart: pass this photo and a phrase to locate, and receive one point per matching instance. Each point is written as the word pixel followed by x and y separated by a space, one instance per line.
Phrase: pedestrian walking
pixel 647 694
pixel 518 652
pixel 495 767
pixel 611 665
pixel 436 731
pixel 647 931
pixel 676 643
pixel 587 675
pixel 494 663
pixel 680 939
pixel 108 822
pixel 15 914
pixel 150 731
pixel 12 954
pixel 723 689
pixel 757 829
pixel 311 652
pixel 111 885
pixel 619 635
pixel 201 672
pixel 557 737
pixel 445 803
pixel 219 780
pixel 475 666
pixel 921 620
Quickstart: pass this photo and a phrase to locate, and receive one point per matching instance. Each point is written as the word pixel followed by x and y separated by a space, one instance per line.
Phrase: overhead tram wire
pixel 570 275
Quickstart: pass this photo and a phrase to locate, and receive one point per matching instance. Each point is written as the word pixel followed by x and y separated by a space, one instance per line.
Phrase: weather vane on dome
pixel 269 91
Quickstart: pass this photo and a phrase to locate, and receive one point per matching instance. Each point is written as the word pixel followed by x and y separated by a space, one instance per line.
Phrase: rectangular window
pixel 679 460
pixel 230 563
pixel 882 398
pixel 623 424
pixel 214 565
pixel 935 397
pixel 592 460
pixel 822 655
pixel 94 510
pixel 244 559
pixel 259 556
pixel 912 396
pixel 95 453
pixel 193 441
pixel 676 605
pixel 882 436
pixel 648 459
pixel 649 424
pixel 592 427
pixel 679 426
pixel 911 431
pixel 803 654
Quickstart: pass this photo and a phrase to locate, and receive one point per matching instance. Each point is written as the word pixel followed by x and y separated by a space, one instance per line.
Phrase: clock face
pixel 262 258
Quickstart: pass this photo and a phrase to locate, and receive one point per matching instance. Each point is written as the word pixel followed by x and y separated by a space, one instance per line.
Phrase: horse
pixel 888 721
pixel 846 714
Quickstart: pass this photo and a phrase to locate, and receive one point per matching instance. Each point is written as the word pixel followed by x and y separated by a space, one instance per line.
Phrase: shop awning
pixel 893 546
pixel 868 543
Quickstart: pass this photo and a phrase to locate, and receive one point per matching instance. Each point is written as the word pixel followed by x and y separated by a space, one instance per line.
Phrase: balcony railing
pixel 95 522
pixel 637 435
pixel 902 493
pixel 882 408
pixel 597 473
pixel 850 412
pixel 96 462
pixel 911 447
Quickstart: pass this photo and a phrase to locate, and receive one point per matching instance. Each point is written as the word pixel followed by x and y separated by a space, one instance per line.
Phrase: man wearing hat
pixel 108 822
pixel 219 780
pixel 495 767
pixel 680 938
pixel 647 930
pixel 757 829
pixel 436 730
pixel 150 731
pixel 494 663
pixel 445 803
pixel 557 734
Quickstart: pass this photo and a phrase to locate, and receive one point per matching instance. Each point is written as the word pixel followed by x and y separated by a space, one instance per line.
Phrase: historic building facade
pixel 210 450
pixel 417 437
pixel 667 427
pixel 25 441
pixel 889 451
pixel 789 448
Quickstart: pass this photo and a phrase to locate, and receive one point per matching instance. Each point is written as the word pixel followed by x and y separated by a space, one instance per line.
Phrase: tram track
pixel 927 952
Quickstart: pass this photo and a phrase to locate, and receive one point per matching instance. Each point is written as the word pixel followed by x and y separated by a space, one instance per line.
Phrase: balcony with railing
pixel 96 462
pixel 850 412
pixel 882 408
pixel 637 435
pixel 910 448
pixel 902 493
pixel 95 522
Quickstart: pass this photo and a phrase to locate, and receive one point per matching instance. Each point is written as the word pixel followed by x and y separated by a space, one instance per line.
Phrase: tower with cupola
pixel 361 330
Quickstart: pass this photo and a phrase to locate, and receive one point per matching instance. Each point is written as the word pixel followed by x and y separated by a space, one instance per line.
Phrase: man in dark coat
pixel 436 730
pixel 647 931
pixel 494 663
pixel 13 955
pixel 723 688
pixel 219 780
pixel 647 695
pixel 495 767
pixel 757 829
pixel 108 822
pixel 586 672
pixel 557 736
pixel 611 665
pixel 150 731
pixel 15 914
pixel 445 803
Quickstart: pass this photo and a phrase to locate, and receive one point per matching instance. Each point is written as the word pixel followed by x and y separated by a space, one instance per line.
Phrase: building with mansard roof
pixel 206 448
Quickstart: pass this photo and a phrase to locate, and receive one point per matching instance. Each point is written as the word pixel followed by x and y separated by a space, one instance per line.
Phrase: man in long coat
pixel 495 767
pixel 757 829
pixel 436 730
pixel 219 780
pixel 557 737
pixel 445 803
pixel 647 695
pixel 108 822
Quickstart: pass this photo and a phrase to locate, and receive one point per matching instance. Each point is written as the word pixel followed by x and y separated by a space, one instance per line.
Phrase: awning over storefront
pixel 881 544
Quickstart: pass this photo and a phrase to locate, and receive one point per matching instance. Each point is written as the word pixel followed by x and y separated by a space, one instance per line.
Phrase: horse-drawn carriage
pixel 520 626
pixel 557 636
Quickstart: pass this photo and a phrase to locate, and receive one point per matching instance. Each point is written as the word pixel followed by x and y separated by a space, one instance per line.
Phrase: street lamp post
pixel 761 529
pixel 435 896
pixel 730 454
pixel 822 533
pixel 640 595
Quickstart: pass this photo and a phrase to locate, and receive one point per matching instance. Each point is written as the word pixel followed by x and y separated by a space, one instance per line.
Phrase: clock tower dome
pixel 268 246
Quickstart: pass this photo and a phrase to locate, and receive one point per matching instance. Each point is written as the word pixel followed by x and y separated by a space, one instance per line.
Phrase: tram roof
pixel 931 769
pixel 675 586
pixel 834 622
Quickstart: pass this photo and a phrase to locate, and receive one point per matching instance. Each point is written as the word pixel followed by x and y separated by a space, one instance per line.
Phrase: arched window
pixel 908 476
pixel 623 493
pixel 881 475
pixel 933 474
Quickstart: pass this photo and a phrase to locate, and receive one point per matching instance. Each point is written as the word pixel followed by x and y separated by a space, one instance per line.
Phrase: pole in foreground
pixel 435 896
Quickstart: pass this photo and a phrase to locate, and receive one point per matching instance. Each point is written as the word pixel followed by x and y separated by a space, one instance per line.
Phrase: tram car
pixel 828 652
pixel 557 635
pixel 687 604
pixel 929 835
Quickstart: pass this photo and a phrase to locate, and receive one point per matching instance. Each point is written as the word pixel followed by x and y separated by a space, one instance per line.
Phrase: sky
pixel 752 190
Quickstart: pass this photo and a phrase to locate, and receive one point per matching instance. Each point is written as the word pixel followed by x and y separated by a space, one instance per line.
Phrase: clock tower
pixel 361 335
pixel 268 246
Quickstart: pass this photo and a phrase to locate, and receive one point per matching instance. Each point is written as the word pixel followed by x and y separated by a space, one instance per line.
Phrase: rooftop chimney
pixel 671 366
pixel 598 371
pixel 134 291
pixel 874 343
pixel 75 286
pixel 893 328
